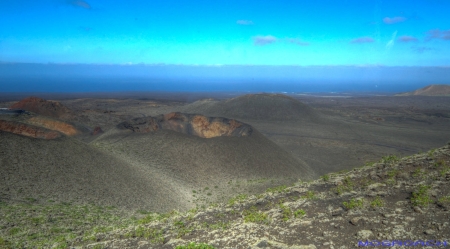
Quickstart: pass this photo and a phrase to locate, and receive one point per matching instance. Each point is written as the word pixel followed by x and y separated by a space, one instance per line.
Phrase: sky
pixel 226 32
pixel 243 37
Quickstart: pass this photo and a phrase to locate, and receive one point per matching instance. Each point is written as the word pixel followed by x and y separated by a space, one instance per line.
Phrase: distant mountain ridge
pixel 431 90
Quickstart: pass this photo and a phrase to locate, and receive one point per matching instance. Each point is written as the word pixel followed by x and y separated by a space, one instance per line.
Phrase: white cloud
pixel 264 40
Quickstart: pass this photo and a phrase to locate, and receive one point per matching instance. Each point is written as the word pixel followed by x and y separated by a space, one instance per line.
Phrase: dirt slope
pixel 188 162
pixel 66 169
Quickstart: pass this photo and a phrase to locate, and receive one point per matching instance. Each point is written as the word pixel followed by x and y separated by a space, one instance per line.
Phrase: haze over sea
pixel 29 77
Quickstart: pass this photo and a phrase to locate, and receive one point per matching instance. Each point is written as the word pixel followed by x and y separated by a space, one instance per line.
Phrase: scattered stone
pixel 376 185
pixel 338 211
pixel 429 232
pixel 364 234
pixel 356 221
pixel 418 210
pixel 261 244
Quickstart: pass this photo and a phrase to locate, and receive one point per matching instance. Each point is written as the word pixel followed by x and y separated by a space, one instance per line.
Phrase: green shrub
pixel 237 199
pixel 99 246
pixel 393 173
pixel 309 195
pixel 440 163
pixel 278 189
pixel 194 245
pixel 13 231
pixel 286 212
pixel 418 173
pixel 390 159
pixel 444 171
pixel 431 152
pixel 255 216
pixel 421 197
pixel 444 199
pixel 353 204
pixel 3 242
pixel 377 202
pixel 325 178
pixel 299 213
pixel 347 186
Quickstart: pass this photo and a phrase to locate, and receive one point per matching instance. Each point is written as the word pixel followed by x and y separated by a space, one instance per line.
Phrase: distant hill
pixel 256 106
pixel 431 90
pixel 44 107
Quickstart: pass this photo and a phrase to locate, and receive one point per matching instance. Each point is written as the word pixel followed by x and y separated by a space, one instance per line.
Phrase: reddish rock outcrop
pixel 97 130
pixel 197 125
pixel 55 125
pixel 28 130
pixel 43 107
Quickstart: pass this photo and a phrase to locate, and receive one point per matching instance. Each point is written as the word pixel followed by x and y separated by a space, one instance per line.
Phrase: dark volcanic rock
pixel 43 107
pixel 28 130
pixel 192 124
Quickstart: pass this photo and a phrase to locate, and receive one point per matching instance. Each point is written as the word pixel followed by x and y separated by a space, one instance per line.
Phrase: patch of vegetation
pixel 216 226
pixel 353 204
pixel 56 224
pixel 369 164
pixel 444 199
pixel 389 159
pixel 444 171
pixel 286 212
pixel 253 215
pixel 310 195
pixel 152 234
pixel 377 202
pixel 279 189
pixel 194 245
pixel 420 197
pixel 431 152
pixel 237 199
pixel 155 217
pixel 346 186
pixel 418 173
pixel 181 229
pixel 299 213
pixel 440 163
pixel 364 182
pixel 4 242
pixel 393 173
pixel 325 178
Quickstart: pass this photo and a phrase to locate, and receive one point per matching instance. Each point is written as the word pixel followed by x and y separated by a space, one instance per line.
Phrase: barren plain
pixel 147 152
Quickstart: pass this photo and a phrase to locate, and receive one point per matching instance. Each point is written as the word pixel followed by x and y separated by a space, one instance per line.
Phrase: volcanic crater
pixel 191 124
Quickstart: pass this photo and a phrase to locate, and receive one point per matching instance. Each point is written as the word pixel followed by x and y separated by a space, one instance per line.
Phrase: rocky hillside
pixel 404 199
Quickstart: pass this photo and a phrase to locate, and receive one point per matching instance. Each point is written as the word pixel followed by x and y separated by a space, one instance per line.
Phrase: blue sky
pixel 332 32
